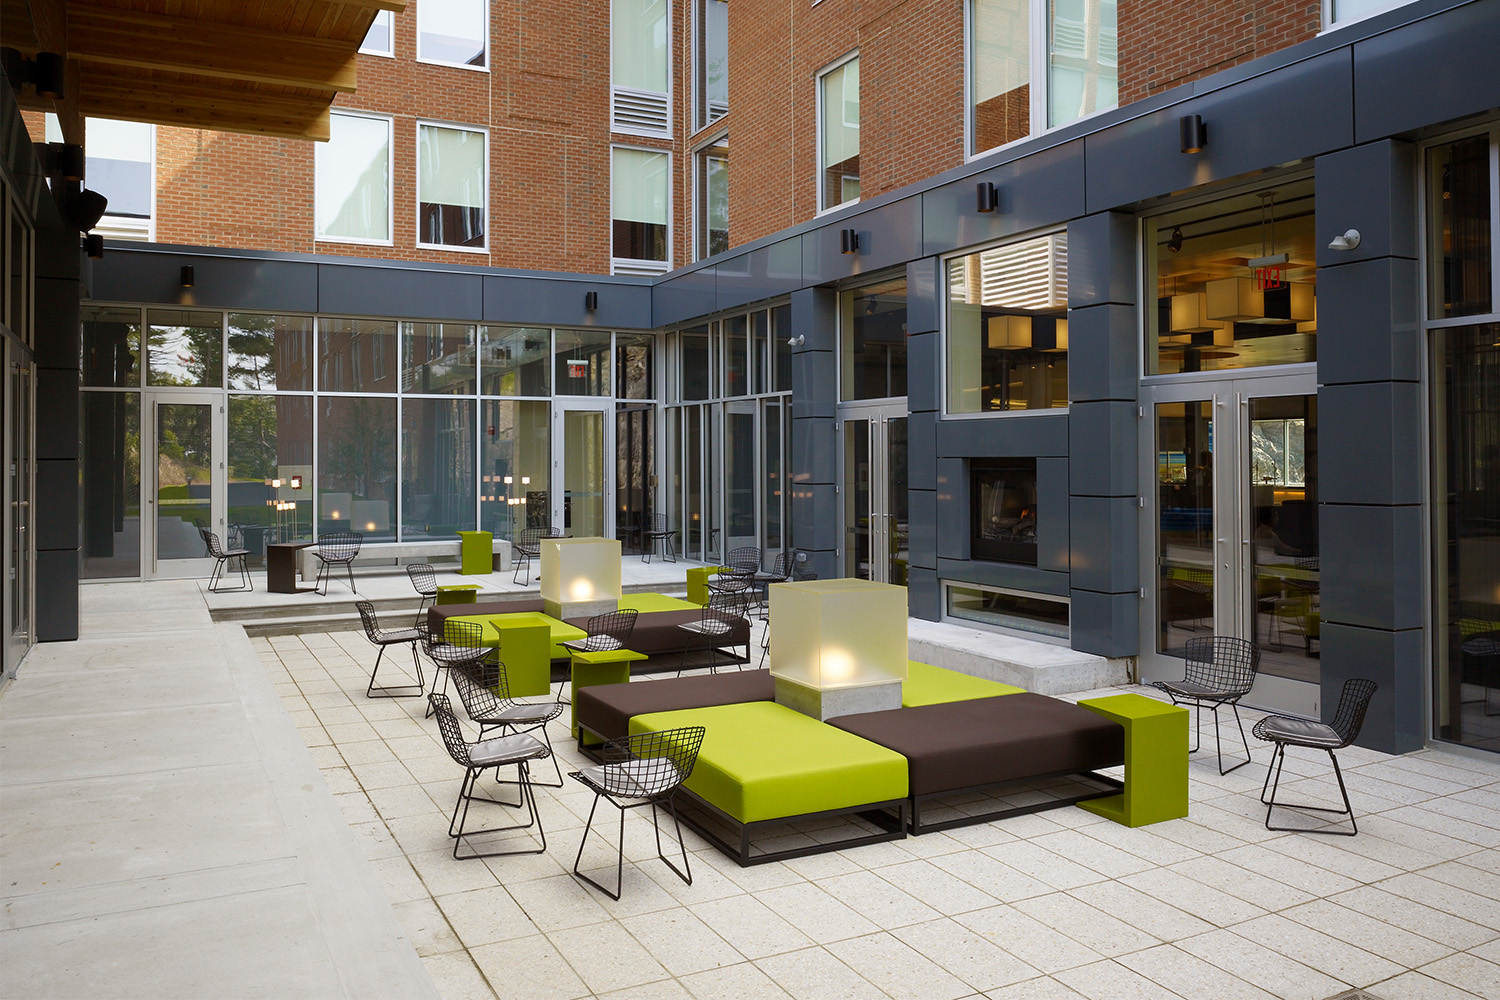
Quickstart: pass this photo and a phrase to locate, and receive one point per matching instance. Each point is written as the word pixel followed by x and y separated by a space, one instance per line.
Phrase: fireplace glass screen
pixel 1003 510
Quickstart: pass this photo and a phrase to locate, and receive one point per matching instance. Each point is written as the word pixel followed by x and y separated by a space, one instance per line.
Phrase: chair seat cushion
pixel 1302 732
pixel 595 644
pixel 400 635
pixel 506 750
pixel 523 714
pixel 1192 689
pixel 762 761
pixel 632 779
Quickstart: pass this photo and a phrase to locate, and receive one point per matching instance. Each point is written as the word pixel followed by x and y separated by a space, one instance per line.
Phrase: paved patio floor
pixel 185 811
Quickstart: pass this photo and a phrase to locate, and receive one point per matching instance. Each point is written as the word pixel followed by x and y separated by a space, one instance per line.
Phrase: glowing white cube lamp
pixel 838 646
pixel 580 576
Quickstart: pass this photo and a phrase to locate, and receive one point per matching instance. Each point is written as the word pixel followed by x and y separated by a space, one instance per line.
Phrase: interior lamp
pixel 1009 333
pixel 580 576
pixel 1234 299
pixel 839 646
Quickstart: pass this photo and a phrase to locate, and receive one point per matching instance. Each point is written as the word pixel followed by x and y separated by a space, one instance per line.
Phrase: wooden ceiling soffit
pixel 196 103
pixel 102 37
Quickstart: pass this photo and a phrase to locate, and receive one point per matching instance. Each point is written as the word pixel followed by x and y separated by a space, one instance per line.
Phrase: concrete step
pixel 1039 667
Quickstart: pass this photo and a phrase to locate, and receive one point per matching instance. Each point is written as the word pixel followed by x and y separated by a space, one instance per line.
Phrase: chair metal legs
pixel 217 576
pixel 466 795
pixel 1218 743
pixel 524 560
pixel 325 574
pixel 685 872
pixel 1270 802
pixel 396 690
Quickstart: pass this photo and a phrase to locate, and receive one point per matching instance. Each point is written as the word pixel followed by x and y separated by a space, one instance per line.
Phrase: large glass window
pixel 1458 212
pixel 872 341
pixel 111 346
pixel 735 331
pixel 1008 327
pixel 111 487
pixel 270 352
pixel 437 467
pixel 1082 51
pixel 838 135
pixel 514 465
pixel 582 363
pixel 455 32
pixel 439 358
pixel 695 363
pixel 357 466
pixel 270 438
pixel 378 40
pixel 633 366
pixel 638 200
pixel 712 61
pixel 352 180
pixel 1235 283
pixel 121 166
pixel 713 201
pixel 639 44
pixel 450 186
pixel 356 355
pixel 515 360
pixel 184 347
pixel 999 71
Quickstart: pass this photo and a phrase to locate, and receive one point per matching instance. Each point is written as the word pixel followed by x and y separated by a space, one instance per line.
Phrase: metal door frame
pixel 878 414
pixel 217 401
pixel 605 407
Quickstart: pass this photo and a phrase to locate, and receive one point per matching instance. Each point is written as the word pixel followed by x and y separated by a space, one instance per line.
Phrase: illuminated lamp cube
pixel 580 576
pixel 838 647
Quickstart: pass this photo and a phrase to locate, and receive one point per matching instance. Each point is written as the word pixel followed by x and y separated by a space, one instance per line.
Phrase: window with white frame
pixel 378 40
pixel 451 192
pixel 1349 11
pixel 454 32
pixel 639 198
pixel 120 165
pixel 640 71
pixel 1038 64
pixel 838 134
pixel 713 199
pixel 711 64
pixel 352 180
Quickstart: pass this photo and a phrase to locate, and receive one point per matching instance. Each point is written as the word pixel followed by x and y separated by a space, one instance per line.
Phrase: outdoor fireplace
pixel 1002 510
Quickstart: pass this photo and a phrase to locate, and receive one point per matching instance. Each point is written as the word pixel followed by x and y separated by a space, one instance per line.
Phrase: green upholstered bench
pixel 762 764
pixel 929 685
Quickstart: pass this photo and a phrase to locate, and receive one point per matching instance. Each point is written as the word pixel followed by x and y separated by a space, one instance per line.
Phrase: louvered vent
pixel 1029 275
pixel 628 265
pixel 640 112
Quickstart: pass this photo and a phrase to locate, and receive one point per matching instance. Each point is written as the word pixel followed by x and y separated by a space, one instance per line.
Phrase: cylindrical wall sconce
pixel 1193 132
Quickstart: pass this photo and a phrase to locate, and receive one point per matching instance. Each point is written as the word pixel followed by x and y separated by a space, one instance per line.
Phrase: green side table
pixel 1156 760
pixel 611 666
pixel 697 582
pixel 476 552
pixel 457 593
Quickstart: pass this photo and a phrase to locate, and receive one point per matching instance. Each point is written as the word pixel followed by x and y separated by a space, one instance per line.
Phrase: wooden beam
pixel 190 105
pixel 394 6
pixel 118 37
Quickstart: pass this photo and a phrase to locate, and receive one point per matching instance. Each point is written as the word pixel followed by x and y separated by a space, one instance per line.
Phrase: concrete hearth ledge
pixel 1040 667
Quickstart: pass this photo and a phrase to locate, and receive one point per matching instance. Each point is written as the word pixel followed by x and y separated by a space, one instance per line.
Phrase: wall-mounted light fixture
pixel 185 275
pixel 796 341
pixel 1348 241
pixel 1174 242
pixel 591 301
pixel 80 208
pixel 1193 132
pixel 93 243
pixel 848 241
pixel 46 72
pixel 988 197
pixel 62 158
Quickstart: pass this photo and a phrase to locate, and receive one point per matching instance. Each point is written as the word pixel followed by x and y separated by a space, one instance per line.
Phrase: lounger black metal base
pixel 703 817
pixel 1111 786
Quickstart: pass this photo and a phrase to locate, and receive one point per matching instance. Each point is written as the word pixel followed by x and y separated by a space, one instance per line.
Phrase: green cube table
pixel 697 582
pixel 476 552
pixel 610 666
pixel 1156 760
pixel 528 642
pixel 457 593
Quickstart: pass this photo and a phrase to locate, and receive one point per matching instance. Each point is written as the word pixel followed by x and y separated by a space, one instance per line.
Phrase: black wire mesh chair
pixel 644 769
pixel 796 571
pixel 1219 671
pixel 609 631
pixel 458 643
pixel 1285 732
pixel 424 580
pixel 478 757
pixel 334 548
pixel 211 541
pixel 658 534
pixel 715 624
pixel 484 689
pixel 381 638
pixel 529 547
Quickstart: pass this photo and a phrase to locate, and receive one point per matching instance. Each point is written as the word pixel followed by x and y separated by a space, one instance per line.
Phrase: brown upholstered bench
pixel 605 711
pixel 987 742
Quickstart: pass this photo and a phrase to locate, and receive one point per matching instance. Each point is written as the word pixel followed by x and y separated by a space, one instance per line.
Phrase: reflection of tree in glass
pixel 252 359
pixel 185 355
pixel 359 448
pixel 252 437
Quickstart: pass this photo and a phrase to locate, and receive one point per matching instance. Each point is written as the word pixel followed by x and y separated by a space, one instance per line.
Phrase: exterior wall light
pixel 1348 241
pixel 1193 132
pixel 591 301
pixel 848 241
pixel 988 197
pixel 186 276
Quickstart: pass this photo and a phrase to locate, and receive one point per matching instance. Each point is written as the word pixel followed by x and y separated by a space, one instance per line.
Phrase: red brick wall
pixel 1165 43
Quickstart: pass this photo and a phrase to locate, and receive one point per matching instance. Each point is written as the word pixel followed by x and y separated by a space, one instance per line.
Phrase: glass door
pixel 876 540
pixel 16 397
pixel 185 467
pixel 582 442
pixel 1232 546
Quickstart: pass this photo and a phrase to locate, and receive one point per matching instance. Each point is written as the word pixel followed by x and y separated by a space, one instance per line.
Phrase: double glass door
pixel 185 467
pixel 15 398
pixel 876 544
pixel 1231 536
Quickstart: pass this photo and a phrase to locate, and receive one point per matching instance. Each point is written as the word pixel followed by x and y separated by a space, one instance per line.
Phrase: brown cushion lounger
pixel 606 709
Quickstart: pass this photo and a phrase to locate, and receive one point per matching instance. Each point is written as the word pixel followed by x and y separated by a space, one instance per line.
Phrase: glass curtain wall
pixel 872 341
